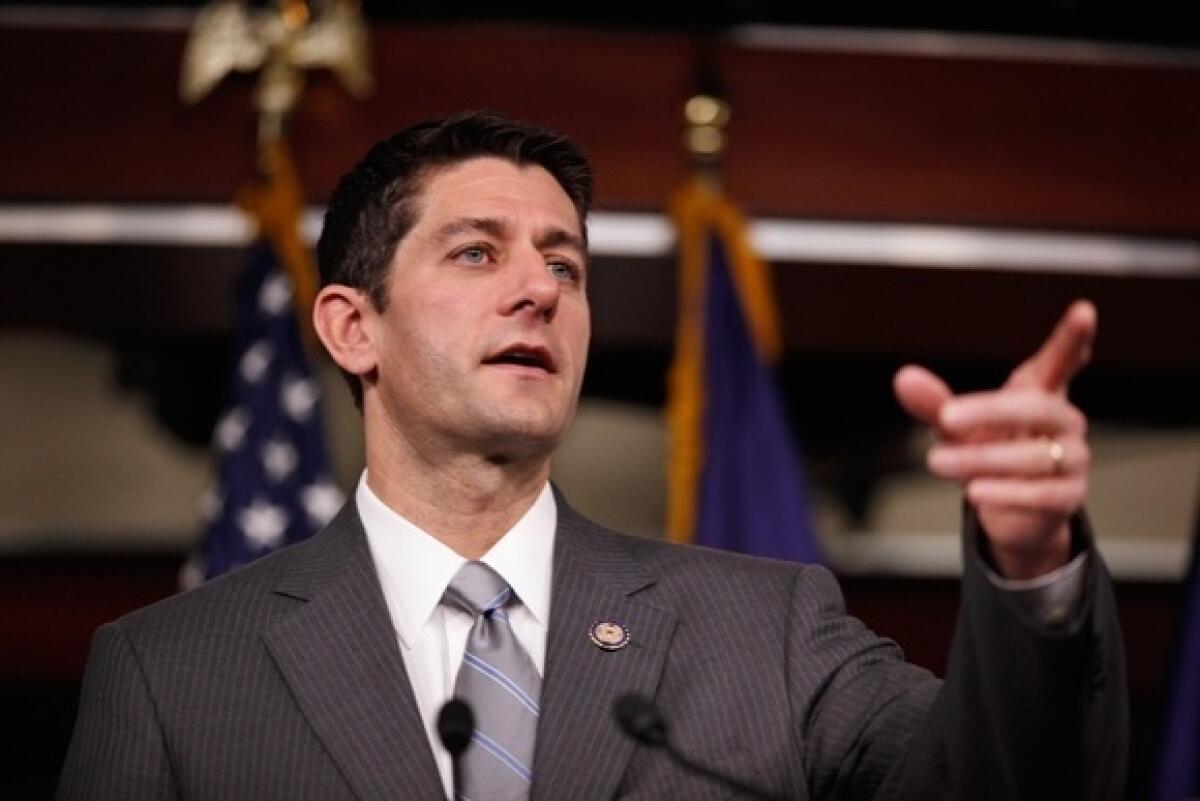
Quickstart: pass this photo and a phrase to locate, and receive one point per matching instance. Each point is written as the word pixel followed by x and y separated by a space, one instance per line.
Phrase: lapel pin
pixel 608 635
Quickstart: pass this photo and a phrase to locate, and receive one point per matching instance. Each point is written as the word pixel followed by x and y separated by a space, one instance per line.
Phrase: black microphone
pixel 641 720
pixel 455 723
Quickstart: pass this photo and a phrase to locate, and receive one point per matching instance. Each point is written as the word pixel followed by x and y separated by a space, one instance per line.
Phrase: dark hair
pixel 374 205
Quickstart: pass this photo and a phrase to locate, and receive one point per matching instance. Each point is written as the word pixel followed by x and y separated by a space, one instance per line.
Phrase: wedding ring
pixel 1057 454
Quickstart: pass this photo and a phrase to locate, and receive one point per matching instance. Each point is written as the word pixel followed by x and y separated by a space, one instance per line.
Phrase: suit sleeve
pixel 1027 711
pixel 117 750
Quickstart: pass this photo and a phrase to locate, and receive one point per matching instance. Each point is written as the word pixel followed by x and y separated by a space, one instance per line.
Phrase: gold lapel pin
pixel 608 635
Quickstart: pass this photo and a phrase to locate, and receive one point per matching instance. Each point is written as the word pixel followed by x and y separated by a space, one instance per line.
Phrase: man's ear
pixel 339 317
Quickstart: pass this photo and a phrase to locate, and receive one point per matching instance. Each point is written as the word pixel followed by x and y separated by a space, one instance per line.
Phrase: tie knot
pixel 478 589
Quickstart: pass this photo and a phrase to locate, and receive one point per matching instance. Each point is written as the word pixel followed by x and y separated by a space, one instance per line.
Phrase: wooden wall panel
pixel 93 115
pixel 889 136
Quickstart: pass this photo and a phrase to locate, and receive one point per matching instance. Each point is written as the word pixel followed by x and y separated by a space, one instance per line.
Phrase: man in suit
pixel 454 267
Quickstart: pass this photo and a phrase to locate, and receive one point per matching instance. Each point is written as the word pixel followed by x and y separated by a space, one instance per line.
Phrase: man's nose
pixel 534 287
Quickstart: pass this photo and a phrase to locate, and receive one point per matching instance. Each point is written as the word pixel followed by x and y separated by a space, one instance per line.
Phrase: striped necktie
pixel 500 683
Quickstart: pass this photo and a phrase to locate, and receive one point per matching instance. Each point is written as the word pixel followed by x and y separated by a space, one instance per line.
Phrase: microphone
pixel 642 721
pixel 455 723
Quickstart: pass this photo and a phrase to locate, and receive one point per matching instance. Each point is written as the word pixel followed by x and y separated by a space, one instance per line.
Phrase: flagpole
pixel 273 484
pixel 705 114
pixel 281 43
pixel 735 477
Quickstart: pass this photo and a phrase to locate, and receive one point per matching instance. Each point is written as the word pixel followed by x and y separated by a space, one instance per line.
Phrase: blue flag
pixel 753 497
pixel 1179 766
pixel 737 478
pixel 273 484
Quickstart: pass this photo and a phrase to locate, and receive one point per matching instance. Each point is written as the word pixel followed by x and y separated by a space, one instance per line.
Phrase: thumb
pixel 920 392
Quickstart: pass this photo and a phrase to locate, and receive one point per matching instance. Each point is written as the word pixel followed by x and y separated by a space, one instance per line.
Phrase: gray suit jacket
pixel 284 680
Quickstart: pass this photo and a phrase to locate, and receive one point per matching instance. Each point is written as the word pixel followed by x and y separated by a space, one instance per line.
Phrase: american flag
pixel 273 485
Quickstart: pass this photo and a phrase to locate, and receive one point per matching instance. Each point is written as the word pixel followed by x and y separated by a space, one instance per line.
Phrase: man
pixel 454 267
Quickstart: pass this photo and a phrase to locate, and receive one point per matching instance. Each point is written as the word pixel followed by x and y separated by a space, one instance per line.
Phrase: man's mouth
pixel 522 355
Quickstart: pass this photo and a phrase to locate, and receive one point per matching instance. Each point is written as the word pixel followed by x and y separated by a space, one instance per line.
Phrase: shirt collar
pixel 415 568
pixel 524 557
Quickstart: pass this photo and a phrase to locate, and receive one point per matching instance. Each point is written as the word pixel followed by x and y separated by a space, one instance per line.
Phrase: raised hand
pixel 1019 451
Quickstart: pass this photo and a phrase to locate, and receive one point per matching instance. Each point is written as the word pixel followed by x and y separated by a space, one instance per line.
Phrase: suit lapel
pixel 338 653
pixel 581 754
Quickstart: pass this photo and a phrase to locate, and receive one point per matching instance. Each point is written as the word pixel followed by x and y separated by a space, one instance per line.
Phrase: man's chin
pixel 518 438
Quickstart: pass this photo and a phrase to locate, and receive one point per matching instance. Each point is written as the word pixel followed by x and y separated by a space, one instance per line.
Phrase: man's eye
pixel 475 254
pixel 563 270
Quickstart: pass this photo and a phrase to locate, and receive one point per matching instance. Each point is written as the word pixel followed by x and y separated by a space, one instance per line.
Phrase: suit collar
pixel 338 654
pixel 581 754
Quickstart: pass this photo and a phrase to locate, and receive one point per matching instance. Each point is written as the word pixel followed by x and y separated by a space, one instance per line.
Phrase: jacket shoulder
pixel 695 576
pixel 241 601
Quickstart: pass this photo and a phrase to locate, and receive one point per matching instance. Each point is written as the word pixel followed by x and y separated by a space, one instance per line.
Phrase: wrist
pixel 1030 560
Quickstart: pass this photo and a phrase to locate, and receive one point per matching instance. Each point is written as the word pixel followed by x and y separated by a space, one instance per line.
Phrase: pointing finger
pixel 1064 352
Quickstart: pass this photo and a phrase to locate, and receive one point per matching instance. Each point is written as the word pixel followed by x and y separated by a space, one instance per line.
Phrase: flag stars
pixel 263 524
pixel 321 501
pixel 275 294
pixel 298 396
pixel 193 572
pixel 231 431
pixel 256 360
pixel 279 459
pixel 272 487
pixel 211 504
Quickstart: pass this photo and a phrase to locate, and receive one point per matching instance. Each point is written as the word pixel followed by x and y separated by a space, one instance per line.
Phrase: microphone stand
pixel 641 720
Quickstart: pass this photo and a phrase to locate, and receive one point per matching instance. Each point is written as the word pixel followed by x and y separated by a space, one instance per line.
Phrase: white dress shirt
pixel 415 568
pixel 1051 599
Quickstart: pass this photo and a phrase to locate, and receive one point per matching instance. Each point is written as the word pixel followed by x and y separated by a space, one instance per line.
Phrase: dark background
pixel 1093 145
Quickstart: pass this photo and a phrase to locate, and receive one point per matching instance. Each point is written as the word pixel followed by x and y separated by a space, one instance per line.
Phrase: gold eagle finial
pixel 284 40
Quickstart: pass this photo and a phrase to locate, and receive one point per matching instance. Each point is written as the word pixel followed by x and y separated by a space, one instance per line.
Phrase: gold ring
pixel 1057 454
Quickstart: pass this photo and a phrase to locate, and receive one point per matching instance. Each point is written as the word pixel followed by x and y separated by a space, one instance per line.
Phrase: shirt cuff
pixel 1051 599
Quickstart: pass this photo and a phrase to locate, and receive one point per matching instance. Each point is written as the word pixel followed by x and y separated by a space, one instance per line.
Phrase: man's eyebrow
pixel 491 226
pixel 557 237
pixel 499 228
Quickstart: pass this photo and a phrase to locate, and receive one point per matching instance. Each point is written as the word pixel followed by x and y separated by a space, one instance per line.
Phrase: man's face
pixel 484 338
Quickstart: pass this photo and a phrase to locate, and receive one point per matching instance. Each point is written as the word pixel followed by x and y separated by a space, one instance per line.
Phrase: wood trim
pixel 93 115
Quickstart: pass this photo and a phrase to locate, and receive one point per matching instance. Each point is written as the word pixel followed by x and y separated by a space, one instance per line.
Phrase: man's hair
pixel 375 204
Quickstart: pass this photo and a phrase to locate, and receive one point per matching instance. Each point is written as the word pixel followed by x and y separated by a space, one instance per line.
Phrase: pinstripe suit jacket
pixel 284 681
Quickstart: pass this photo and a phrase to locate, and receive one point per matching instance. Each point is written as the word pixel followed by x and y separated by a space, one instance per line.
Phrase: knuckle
pixel 1047 408
pixel 1038 398
pixel 1085 456
pixel 1022 376
pixel 1072 495
pixel 1043 496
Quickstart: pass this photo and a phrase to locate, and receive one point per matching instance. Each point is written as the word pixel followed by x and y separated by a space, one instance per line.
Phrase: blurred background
pixel 929 184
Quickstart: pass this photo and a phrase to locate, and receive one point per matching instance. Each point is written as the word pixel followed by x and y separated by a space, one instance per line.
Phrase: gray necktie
pixel 500 683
